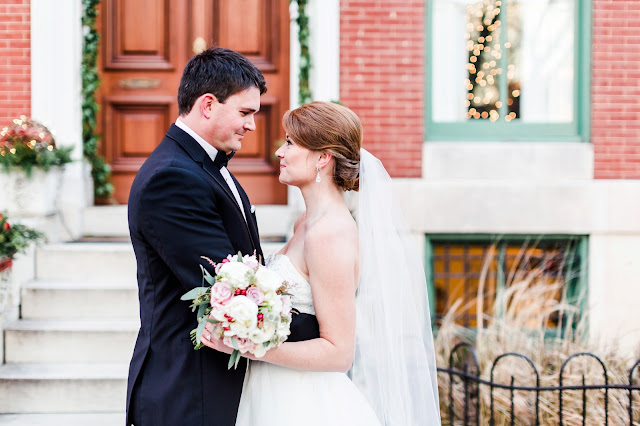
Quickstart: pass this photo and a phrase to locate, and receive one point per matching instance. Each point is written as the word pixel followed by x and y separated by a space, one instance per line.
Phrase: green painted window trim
pixel 579 289
pixel 577 131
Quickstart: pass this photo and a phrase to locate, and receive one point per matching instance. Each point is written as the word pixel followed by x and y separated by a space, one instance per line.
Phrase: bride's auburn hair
pixel 327 126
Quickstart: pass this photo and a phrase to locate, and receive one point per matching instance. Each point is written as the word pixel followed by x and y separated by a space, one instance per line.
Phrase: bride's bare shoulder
pixel 334 233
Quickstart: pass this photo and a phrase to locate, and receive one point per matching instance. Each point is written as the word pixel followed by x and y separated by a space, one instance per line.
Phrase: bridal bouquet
pixel 247 303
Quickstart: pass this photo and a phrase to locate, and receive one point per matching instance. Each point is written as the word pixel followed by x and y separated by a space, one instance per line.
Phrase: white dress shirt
pixel 212 152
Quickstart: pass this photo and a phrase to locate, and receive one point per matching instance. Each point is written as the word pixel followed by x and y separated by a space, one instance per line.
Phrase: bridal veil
pixel 394 364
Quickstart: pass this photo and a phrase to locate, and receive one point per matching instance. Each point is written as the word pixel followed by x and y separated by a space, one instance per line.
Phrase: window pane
pixel 457 275
pixel 503 60
pixel 469 275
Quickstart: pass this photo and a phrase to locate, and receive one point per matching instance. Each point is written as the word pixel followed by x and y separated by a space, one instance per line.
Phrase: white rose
pixel 250 261
pixel 264 334
pixel 236 273
pixel 268 280
pixel 283 330
pixel 244 313
pixel 275 303
pixel 260 350
pixel 217 312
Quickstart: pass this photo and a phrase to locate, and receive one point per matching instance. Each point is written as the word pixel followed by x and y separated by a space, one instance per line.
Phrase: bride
pixel 372 361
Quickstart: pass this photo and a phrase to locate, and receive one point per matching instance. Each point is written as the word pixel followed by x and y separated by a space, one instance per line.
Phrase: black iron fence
pixel 464 390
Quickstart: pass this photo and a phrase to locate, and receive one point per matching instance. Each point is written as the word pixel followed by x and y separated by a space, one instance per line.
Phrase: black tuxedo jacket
pixel 180 208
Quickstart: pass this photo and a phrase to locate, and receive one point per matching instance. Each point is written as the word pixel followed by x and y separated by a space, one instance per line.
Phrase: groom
pixel 184 204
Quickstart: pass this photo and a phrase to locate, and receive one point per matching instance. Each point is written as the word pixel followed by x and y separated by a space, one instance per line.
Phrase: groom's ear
pixel 206 104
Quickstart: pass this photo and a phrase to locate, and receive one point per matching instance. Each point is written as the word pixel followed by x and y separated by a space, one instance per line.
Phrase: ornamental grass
pixel 519 321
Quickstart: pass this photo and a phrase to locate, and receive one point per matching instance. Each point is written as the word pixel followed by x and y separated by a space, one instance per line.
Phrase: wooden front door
pixel 145 45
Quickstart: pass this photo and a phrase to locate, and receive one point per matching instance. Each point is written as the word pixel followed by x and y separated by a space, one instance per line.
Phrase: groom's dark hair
pixel 222 72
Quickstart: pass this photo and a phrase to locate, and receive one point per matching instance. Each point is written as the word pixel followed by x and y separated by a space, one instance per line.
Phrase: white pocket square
pixel 253 208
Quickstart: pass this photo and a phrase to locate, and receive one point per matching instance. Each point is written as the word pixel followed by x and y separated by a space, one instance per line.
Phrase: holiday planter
pixel 34 195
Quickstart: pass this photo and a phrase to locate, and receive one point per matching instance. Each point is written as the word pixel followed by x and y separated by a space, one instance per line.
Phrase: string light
pixel 485 49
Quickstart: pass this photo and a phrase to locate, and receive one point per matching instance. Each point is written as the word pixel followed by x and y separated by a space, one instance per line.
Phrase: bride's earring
pixel 318 175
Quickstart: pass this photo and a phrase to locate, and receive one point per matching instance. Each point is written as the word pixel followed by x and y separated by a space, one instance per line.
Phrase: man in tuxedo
pixel 185 204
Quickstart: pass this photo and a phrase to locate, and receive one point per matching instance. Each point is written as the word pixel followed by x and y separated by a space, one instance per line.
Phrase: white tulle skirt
pixel 278 396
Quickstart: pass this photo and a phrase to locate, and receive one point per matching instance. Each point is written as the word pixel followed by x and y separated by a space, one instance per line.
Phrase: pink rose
pixel 255 295
pixel 220 293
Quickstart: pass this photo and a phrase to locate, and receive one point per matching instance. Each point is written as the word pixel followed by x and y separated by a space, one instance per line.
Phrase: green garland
pixel 304 91
pixel 100 171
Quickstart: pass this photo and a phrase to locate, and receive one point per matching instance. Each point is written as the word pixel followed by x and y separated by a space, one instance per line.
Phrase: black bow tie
pixel 222 159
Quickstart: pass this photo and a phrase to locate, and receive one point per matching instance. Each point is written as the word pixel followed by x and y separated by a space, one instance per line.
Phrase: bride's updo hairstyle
pixel 327 126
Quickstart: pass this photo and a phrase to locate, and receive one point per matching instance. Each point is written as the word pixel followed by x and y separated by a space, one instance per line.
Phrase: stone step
pixel 63 388
pixel 71 341
pixel 49 419
pixel 94 262
pixel 105 221
pixel 71 299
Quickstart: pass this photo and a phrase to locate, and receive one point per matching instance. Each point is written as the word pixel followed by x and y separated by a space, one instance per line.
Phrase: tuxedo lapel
pixel 213 170
pixel 199 155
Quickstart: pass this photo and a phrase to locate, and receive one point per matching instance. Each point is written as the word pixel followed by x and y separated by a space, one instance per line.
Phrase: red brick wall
pixel 616 89
pixel 382 78
pixel 15 60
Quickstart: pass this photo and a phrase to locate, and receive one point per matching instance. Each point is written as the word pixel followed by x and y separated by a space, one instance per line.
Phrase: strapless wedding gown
pixel 279 396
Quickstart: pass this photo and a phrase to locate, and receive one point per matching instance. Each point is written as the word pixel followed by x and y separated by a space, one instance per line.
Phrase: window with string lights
pixel 508 69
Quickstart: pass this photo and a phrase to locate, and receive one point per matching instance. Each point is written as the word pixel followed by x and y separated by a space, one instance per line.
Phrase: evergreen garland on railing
pixel 304 91
pixel 100 171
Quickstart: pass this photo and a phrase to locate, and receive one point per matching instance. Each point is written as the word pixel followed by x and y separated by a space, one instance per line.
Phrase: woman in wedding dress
pixel 373 360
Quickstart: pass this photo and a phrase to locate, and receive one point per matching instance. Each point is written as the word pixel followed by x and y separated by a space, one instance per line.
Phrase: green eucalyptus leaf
pixel 232 359
pixel 200 330
pixel 194 293
pixel 206 276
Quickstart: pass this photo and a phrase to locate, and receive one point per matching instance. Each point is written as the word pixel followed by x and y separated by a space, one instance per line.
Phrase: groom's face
pixel 229 121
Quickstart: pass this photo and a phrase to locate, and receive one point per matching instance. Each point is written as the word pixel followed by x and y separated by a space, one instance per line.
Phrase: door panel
pixel 139 34
pixel 145 46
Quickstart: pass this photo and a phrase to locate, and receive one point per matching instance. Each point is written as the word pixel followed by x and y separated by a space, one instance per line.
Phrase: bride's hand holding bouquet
pixel 245 310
